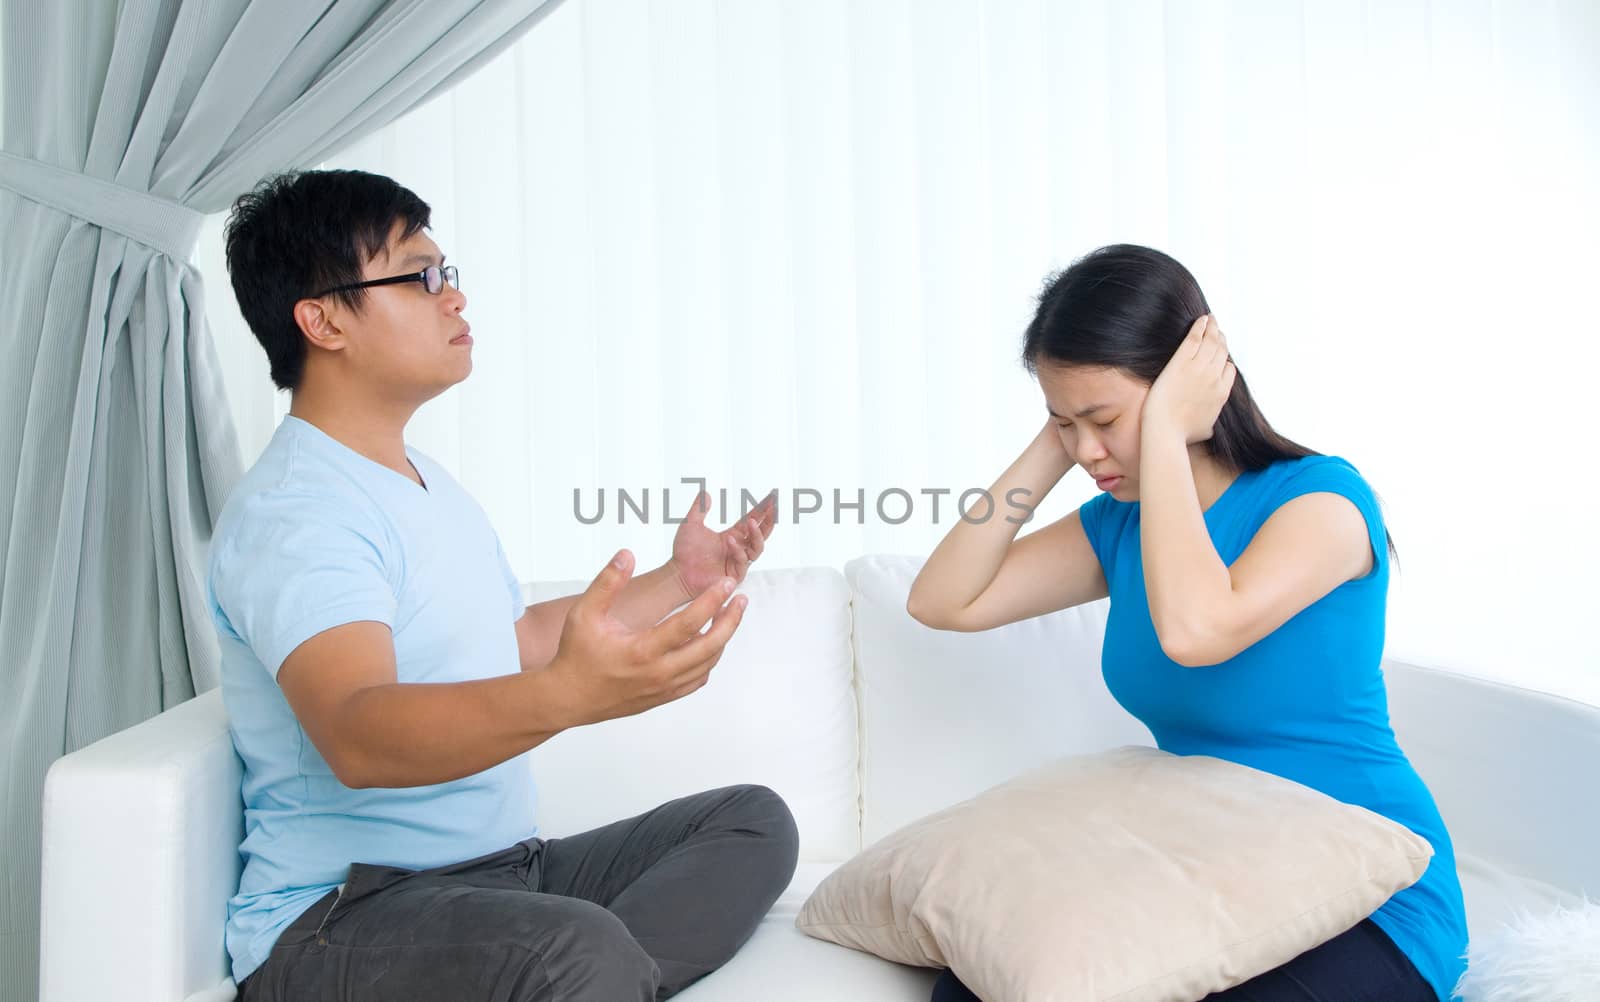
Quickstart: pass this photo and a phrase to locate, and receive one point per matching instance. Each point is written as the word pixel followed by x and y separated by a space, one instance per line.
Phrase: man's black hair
pixel 299 233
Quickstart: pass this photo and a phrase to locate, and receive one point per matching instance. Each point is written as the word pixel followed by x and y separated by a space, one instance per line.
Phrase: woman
pixel 1247 576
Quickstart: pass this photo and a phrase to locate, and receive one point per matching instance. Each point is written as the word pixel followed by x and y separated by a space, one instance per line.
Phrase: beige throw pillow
pixel 1132 875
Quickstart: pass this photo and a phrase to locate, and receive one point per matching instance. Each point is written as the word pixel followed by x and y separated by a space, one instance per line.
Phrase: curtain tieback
pixel 170 227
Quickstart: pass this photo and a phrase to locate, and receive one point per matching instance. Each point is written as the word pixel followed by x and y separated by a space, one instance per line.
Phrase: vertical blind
pixel 794 246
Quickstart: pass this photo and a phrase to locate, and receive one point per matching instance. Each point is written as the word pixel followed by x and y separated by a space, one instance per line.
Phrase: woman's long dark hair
pixel 1128 307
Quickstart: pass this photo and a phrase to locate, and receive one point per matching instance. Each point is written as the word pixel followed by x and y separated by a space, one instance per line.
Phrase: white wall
pixel 795 245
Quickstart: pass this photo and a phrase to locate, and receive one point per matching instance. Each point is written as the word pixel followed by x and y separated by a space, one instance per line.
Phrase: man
pixel 384 684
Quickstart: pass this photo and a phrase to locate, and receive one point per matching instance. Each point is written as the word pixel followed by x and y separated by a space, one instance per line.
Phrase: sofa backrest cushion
pixel 1512 770
pixel 779 710
pixel 948 715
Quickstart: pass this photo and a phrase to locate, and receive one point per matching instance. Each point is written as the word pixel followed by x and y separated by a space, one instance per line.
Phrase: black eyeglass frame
pixel 448 275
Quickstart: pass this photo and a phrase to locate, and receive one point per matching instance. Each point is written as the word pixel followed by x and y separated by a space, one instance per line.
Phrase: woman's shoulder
pixel 1289 478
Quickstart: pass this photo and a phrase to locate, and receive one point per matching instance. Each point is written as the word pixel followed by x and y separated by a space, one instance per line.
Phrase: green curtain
pixel 126 121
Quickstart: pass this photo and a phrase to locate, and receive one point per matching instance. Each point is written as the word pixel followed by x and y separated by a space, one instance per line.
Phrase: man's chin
pixel 447 380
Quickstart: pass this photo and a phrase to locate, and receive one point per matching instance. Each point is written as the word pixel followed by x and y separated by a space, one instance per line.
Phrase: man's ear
pixel 317 323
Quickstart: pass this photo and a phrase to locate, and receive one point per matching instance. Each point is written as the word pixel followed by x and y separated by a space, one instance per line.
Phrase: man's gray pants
pixel 630 912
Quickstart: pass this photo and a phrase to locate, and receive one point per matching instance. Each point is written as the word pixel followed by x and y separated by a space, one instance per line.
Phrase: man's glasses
pixel 433 278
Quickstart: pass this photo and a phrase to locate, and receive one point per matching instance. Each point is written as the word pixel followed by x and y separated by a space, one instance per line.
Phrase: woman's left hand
pixel 1190 392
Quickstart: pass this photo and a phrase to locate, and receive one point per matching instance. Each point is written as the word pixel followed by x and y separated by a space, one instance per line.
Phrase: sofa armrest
pixel 1511 769
pixel 140 856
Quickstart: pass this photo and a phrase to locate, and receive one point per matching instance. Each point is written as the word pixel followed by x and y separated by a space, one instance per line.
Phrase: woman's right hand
pixel 1048 454
pixel 1052 439
pixel 981 575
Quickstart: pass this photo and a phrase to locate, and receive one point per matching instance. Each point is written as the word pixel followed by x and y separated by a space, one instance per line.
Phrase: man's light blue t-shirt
pixel 313 537
pixel 1306 702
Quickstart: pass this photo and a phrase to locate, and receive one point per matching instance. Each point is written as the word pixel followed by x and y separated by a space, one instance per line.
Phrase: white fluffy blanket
pixel 1551 957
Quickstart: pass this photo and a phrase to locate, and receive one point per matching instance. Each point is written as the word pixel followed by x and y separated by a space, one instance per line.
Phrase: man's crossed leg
pixel 630 912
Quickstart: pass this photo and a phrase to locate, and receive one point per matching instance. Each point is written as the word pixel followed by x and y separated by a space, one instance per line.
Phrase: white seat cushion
pixel 783 964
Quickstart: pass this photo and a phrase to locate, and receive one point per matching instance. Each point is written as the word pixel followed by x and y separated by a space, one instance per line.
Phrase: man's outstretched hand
pixel 610 669
pixel 701 557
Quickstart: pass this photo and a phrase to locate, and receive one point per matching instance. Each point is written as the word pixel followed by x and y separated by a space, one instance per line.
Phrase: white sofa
pixel 860 717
